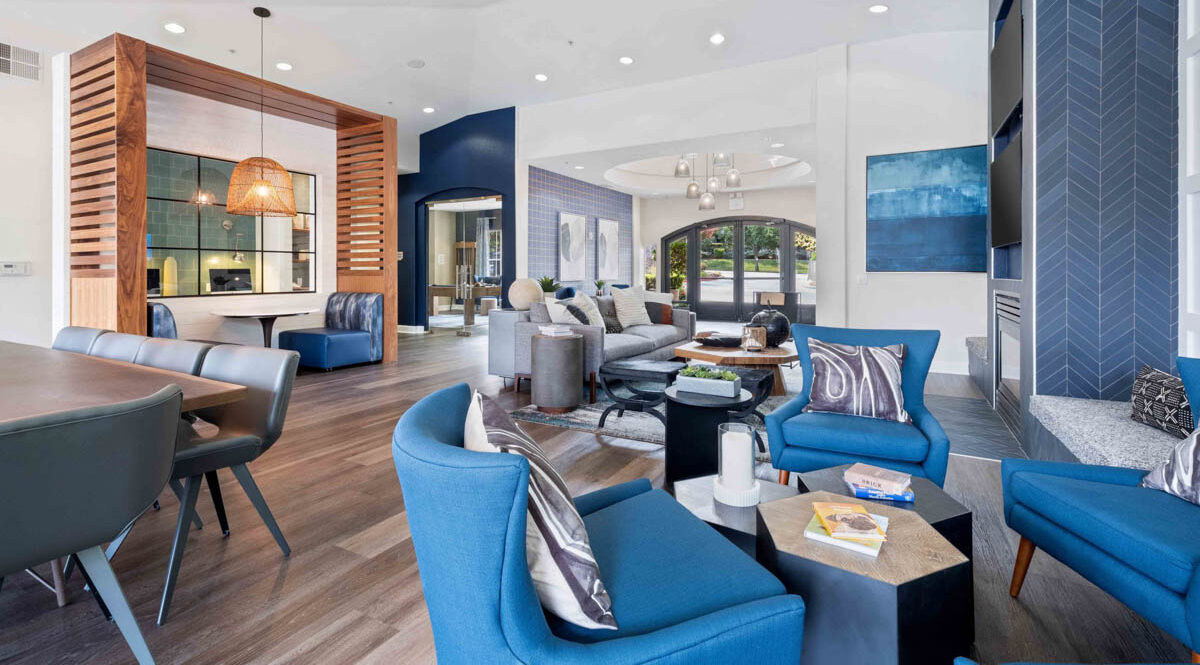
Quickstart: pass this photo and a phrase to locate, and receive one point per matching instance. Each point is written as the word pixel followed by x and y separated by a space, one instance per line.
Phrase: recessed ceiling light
pixel 877 9
pixel 427 109
pixel 174 28
pixel 716 39
pixel 579 167
pixel 283 66
pixel 541 78
pixel 625 60
pixel 776 145
pixel 416 64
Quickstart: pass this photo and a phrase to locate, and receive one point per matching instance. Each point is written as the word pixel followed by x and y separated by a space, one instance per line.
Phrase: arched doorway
pixel 718 265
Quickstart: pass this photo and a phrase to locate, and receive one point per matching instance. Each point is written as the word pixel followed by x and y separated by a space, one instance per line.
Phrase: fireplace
pixel 1007 366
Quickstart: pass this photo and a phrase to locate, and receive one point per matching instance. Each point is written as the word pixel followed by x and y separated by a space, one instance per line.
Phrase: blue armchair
pixel 353 333
pixel 681 593
pixel 1140 545
pixel 808 441
pixel 160 322
pixel 967 661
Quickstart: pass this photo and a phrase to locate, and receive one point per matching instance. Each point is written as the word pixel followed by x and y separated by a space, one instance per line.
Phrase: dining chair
pixel 173 354
pixel 76 339
pixel 71 480
pixel 117 346
pixel 247 428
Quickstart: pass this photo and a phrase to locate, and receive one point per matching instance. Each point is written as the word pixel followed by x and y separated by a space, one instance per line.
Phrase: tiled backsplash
pixel 550 194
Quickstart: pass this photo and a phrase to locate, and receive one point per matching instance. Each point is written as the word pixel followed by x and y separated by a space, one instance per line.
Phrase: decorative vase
pixel 777 325
pixel 735 484
pixel 754 338
pixel 524 292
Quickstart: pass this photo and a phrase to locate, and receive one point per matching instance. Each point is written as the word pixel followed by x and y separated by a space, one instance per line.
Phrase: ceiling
pixel 483 54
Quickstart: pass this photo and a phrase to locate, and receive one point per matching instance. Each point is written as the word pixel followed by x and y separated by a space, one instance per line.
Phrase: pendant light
pixel 260 185
pixel 693 190
pixel 714 183
pixel 707 200
pixel 733 177
pixel 682 168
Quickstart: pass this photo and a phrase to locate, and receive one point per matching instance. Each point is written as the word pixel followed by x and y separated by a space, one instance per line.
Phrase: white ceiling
pixel 482 54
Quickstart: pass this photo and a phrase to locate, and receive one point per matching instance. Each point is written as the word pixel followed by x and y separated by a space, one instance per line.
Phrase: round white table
pixel 265 318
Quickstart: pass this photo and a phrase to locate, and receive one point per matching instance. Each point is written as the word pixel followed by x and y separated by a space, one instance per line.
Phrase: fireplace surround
pixel 1007 366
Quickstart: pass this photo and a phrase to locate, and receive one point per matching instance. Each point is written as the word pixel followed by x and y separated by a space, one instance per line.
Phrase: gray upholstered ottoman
pixel 556 372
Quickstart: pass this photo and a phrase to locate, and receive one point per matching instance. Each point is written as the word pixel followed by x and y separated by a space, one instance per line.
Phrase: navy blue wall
pixel 472 156
pixel 1106 194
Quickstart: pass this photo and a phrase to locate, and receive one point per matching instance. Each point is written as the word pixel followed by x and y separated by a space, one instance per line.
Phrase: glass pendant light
pixel 714 183
pixel 708 201
pixel 693 190
pixel 682 168
pixel 260 185
pixel 733 177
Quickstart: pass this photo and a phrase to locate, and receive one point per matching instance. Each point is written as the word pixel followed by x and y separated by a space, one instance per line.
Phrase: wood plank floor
pixel 350 593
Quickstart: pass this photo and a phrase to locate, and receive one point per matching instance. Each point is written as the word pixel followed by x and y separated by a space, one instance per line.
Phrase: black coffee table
pixel 639 400
pixel 691 440
pixel 739 525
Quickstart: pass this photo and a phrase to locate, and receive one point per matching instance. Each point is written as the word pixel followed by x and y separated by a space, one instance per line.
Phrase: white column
pixel 1189 179
pixel 60 177
pixel 831 106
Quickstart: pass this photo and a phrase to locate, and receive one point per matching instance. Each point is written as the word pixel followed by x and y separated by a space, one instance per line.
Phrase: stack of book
pixel 554 331
pixel 849 526
pixel 871 482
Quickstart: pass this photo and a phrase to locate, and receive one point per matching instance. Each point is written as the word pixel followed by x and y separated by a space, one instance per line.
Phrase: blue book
pixel 860 492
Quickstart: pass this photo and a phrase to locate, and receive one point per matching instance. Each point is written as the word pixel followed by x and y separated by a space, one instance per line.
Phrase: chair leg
pixel 87 584
pixel 785 477
pixel 1024 556
pixel 60 588
pixel 177 488
pixel 1195 657
pixel 214 488
pixel 260 504
pixel 187 508
pixel 592 388
pixel 106 584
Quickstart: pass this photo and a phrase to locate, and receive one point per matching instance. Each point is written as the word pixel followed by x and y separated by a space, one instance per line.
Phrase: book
pixel 814 531
pixel 847 520
pixel 860 492
pixel 884 480
pixel 554 331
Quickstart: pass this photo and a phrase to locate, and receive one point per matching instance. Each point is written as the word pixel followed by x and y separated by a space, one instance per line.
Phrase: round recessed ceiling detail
pixel 877 9
pixel 672 175
pixel 776 146
pixel 283 66
pixel 174 28
pixel 625 60
pixel 428 109
pixel 541 78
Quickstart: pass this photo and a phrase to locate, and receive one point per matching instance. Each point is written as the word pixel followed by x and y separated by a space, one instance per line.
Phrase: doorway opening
pixel 464 258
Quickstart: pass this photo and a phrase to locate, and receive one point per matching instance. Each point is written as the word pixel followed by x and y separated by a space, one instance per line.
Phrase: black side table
pixel 691 442
pixel 628 371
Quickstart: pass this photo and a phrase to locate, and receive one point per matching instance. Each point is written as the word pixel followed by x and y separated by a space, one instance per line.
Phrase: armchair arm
pixel 589 503
pixel 939 444
pixel 775 421
pixel 593 345
pixel 684 319
pixel 1113 475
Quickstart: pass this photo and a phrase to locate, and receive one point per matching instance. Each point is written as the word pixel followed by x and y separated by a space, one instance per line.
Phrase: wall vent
pixel 17 61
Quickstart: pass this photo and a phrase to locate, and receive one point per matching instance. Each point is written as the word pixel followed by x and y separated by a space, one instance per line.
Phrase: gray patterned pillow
pixel 857 380
pixel 1160 401
pixel 1180 475
pixel 564 571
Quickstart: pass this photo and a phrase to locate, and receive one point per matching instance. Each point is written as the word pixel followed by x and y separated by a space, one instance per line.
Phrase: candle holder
pixel 735 484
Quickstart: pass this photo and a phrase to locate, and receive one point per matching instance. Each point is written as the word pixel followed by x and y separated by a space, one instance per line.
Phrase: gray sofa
pixel 511 333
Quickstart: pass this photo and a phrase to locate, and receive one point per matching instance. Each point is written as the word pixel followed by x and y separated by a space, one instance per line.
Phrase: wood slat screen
pixel 93 213
pixel 360 197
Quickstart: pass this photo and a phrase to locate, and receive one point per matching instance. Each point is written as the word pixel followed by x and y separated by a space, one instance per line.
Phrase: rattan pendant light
pixel 260 185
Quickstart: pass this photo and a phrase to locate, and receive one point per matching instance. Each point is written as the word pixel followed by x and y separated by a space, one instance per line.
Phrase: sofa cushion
pixel 1154 533
pixel 663 566
pixel 327 348
pixel 623 345
pixel 659 333
pixel 856 435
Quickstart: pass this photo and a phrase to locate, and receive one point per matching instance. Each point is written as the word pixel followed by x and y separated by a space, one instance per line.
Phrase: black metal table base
pixel 641 401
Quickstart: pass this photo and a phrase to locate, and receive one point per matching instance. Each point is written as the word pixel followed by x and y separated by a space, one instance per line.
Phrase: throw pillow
pixel 658 296
pixel 560 313
pixel 1180 475
pixel 564 570
pixel 631 307
pixel 857 380
pixel 612 325
pixel 585 303
pixel 1160 402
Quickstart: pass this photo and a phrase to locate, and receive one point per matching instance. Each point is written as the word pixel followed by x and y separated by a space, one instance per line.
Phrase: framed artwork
pixel 572 246
pixel 927 211
pixel 608 252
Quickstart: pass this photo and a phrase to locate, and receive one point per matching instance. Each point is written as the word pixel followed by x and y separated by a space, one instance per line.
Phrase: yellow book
pixel 848 521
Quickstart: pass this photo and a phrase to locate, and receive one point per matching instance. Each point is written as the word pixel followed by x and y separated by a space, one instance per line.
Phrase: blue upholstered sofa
pixel 808 441
pixel 681 593
pixel 353 333
pixel 1140 545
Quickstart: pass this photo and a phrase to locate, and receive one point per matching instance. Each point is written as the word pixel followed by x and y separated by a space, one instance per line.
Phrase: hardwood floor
pixel 350 593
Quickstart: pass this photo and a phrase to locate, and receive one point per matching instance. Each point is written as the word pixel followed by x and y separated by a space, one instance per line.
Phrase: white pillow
pixel 631 307
pixel 588 306
pixel 560 314
pixel 658 297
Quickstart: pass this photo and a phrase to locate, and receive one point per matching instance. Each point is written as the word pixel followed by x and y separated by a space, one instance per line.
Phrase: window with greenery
pixel 195 248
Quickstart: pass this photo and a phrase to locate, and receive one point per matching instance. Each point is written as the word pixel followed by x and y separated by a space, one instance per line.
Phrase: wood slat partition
pixel 367 217
pixel 108 185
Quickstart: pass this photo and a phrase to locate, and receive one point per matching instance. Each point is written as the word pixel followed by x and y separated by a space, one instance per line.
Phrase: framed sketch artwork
pixel 572 246
pixel 608 253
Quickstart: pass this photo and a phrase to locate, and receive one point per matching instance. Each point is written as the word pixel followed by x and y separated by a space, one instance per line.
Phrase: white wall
pixel 660 217
pixel 186 123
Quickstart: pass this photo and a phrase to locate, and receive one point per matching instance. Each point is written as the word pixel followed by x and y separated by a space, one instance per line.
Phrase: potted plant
pixel 599 287
pixel 549 287
pixel 709 381
pixel 677 286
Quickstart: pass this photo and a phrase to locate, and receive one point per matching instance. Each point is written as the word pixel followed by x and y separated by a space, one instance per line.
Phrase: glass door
pixel 760 265
pixel 717 273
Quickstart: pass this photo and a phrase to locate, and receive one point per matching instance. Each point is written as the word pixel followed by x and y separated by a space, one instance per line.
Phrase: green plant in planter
pixel 548 284
pixel 599 286
pixel 706 372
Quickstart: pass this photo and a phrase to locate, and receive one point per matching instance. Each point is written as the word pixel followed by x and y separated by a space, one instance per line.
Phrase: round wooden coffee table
pixel 769 358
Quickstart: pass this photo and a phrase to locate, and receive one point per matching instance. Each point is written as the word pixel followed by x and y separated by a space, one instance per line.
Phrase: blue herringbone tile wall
pixel 1106 194
pixel 551 193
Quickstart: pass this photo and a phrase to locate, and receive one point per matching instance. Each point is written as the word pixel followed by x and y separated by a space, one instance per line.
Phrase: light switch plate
pixel 15 268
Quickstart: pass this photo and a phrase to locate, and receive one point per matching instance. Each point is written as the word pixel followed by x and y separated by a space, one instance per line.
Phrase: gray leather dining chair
pixel 246 429
pixel 71 480
pixel 117 346
pixel 173 354
pixel 76 339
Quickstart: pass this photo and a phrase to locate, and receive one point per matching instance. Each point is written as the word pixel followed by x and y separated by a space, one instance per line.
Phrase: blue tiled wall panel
pixel 1106 194
pixel 550 194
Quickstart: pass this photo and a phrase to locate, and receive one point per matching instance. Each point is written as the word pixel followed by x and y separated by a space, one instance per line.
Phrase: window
pixel 195 248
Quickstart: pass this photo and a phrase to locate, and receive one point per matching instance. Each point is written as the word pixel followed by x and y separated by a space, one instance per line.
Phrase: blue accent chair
pixel 353 333
pixel 564 293
pixel 1140 545
pixel 809 441
pixel 681 593
pixel 160 322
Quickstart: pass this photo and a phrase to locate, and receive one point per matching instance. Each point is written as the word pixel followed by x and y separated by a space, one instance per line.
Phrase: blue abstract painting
pixel 927 211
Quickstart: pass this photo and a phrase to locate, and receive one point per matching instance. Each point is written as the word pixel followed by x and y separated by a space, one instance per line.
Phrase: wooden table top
pixel 37 381
pixel 235 314
pixel 778 355
pixel 913 548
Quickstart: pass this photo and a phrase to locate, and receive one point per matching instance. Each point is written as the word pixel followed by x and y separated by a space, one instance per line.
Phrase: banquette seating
pixel 353 333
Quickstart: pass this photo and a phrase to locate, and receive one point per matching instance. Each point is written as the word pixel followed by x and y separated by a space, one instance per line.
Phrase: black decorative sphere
pixel 777 325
